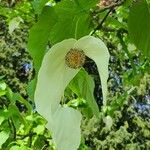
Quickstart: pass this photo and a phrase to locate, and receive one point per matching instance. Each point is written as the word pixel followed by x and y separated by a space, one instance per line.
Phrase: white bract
pixel 54 76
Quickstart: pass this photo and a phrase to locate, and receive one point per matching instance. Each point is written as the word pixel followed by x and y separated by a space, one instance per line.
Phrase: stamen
pixel 75 58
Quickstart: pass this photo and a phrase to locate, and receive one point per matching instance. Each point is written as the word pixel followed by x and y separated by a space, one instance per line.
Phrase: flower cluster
pixel 60 65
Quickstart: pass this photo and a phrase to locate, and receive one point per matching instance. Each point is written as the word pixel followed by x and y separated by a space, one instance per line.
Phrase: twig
pixel 101 23
pixel 111 8
pixel 30 139
pixel 11 124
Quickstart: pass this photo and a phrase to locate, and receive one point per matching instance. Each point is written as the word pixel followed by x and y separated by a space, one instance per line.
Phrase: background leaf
pixel 38 5
pixel 139 26
pixel 39 33
pixel 4 136
pixel 14 24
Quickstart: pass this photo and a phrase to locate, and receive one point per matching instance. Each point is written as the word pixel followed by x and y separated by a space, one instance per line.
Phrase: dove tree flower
pixel 60 65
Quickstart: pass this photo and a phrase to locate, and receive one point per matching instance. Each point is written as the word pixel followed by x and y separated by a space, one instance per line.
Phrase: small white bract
pixel 54 76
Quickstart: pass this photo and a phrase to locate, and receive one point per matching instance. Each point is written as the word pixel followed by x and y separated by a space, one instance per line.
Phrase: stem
pixel 30 139
pixel 11 124
pixel 101 23
pixel 44 147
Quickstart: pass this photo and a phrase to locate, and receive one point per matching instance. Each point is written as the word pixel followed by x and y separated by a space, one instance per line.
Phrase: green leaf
pixel 3 85
pixel 87 112
pixel 79 102
pixel 1 77
pixel 17 96
pixel 38 5
pixel 39 129
pixel 31 88
pixel 4 136
pixel 4 114
pixel 86 5
pixel 75 25
pixel 4 11
pixel 115 23
pixel 83 86
pixel 71 27
pixel 148 2
pixel 74 7
pixel 139 26
pixel 15 147
pixel 39 33
pixel 9 94
pixel 2 93
pixel 82 22
pixel 13 110
pixel 82 105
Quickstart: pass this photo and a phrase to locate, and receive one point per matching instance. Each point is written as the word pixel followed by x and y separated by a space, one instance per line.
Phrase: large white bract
pixel 54 76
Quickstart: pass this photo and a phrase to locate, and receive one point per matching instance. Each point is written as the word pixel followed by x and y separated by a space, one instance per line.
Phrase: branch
pixel 111 8
pixel 101 23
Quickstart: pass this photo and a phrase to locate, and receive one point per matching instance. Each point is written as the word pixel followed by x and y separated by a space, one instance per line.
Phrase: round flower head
pixel 75 58
pixel 60 65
